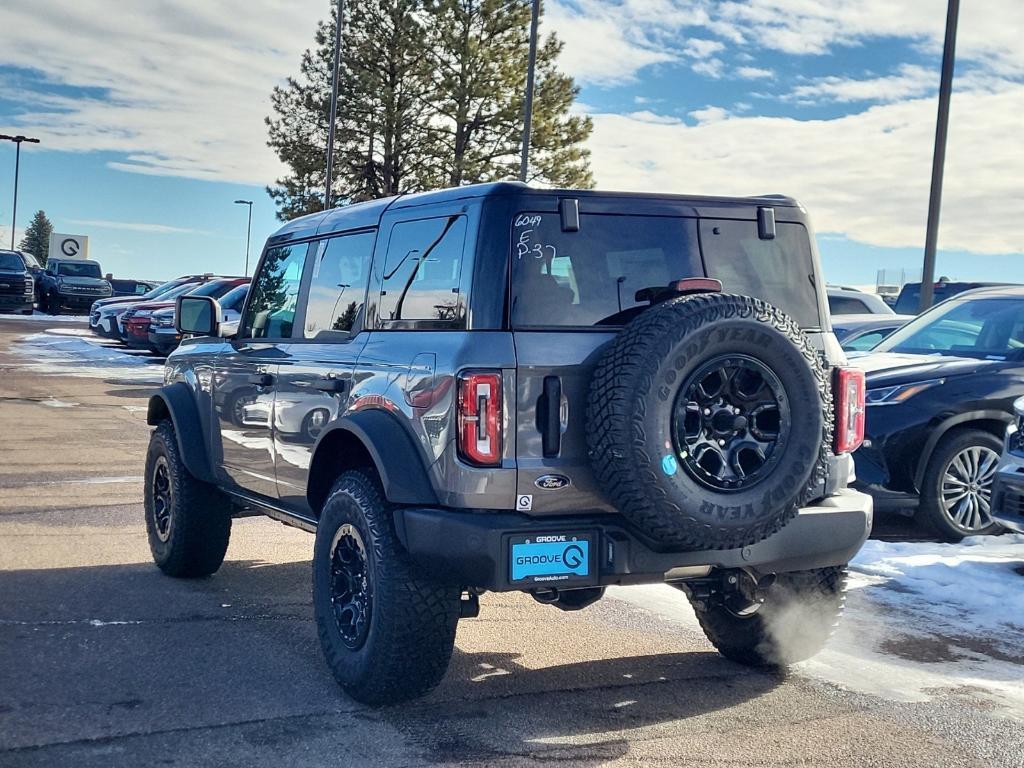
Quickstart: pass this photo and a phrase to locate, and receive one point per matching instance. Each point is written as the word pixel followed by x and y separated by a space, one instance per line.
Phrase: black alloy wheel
pixel 162 494
pixel 730 420
pixel 351 587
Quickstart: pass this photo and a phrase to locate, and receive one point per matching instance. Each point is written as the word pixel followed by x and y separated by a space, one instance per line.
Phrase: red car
pixel 135 321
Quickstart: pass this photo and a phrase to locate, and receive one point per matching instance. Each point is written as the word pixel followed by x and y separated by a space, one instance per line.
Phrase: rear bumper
pixel 473 548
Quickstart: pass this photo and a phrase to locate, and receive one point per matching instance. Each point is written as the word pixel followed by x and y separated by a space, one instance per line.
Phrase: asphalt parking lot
pixel 103 661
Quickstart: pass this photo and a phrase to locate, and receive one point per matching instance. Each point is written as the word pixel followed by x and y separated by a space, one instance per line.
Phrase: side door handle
pixel 260 379
pixel 335 386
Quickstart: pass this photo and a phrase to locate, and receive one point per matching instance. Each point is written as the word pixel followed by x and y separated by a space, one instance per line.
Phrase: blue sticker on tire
pixel 551 558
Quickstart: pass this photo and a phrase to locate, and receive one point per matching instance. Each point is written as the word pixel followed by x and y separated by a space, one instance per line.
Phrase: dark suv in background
pixel 72 284
pixel 503 388
pixel 17 287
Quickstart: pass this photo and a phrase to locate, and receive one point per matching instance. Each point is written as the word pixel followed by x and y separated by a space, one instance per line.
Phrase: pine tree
pixel 480 50
pixel 430 94
pixel 383 130
pixel 37 237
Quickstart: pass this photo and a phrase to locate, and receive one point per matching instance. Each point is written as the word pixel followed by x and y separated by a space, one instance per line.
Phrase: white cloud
pixel 709 114
pixel 754 73
pixel 864 175
pixel 712 67
pixel 909 82
pixel 183 87
pixel 699 49
pixel 135 226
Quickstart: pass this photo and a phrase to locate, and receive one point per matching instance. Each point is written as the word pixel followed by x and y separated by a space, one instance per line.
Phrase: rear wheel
pixel 188 522
pixel 956 492
pixel 798 616
pixel 386 627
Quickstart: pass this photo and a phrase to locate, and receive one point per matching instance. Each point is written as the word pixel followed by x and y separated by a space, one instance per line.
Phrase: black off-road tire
pixel 799 615
pixel 630 412
pixel 930 513
pixel 194 539
pixel 410 634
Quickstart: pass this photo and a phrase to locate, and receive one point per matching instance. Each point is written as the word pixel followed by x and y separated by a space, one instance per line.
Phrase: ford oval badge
pixel 551 482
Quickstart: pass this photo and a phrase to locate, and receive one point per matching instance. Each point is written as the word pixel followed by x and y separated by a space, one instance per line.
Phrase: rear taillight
pixel 849 394
pixel 480 417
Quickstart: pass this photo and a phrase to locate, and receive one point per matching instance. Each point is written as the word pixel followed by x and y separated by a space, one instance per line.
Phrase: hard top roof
pixel 367 214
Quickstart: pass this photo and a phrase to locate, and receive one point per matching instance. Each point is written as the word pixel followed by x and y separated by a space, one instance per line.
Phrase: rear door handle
pixel 331 385
pixel 261 379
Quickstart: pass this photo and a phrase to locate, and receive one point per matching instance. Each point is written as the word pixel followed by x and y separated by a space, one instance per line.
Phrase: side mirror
pixel 199 315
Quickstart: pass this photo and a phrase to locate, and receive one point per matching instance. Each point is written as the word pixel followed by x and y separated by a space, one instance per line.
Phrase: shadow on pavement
pixel 104 652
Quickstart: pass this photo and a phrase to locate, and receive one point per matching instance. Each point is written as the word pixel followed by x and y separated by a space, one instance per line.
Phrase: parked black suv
pixel 70 284
pixel 16 283
pixel 502 388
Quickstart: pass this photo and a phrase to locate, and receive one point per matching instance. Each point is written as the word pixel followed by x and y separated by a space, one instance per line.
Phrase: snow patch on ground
pixel 75 355
pixel 42 317
pixel 53 402
pixel 922 620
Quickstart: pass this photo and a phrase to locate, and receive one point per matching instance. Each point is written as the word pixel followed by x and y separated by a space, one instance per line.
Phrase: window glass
pixel 421 274
pixel 779 271
pixel 337 291
pixel 11 260
pixel 592 276
pixel 234 299
pixel 989 327
pixel 275 293
pixel 865 341
pixel 78 269
pixel 214 288
pixel 844 305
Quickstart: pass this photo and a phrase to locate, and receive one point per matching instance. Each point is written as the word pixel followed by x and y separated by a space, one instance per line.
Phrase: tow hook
pixel 742 591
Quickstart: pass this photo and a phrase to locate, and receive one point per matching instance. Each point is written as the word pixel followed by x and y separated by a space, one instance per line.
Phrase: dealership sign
pixel 69 246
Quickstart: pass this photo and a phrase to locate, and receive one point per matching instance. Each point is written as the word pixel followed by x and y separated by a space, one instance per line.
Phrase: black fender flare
pixel 953 421
pixel 390 446
pixel 175 401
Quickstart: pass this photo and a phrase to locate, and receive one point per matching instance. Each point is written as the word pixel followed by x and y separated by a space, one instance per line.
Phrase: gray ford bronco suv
pixel 504 388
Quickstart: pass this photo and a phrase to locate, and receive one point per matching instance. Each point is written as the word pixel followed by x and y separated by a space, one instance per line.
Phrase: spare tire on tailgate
pixel 709 421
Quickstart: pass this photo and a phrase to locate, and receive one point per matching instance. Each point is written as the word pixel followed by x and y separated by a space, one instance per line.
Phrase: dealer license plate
pixel 552 558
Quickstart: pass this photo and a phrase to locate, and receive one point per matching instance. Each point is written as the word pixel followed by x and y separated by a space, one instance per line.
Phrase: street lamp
pixel 524 162
pixel 248 232
pixel 17 163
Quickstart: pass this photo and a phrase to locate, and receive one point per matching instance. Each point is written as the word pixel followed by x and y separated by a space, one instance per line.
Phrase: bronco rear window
pixel 779 271
pixel 591 277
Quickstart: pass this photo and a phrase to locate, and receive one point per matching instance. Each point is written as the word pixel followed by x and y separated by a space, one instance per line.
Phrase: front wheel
pixel 956 492
pixel 387 628
pixel 188 522
pixel 798 616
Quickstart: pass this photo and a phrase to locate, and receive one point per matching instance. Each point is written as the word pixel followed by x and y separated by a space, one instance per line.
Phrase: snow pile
pixel 76 355
pixel 968 586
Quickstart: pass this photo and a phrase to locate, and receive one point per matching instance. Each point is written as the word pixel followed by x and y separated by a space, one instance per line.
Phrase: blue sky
pixel 152 120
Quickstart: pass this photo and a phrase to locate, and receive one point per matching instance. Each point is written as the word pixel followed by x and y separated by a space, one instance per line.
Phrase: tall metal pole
pixel 17 167
pixel 939 158
pixel 524 163
pixel 334 105
pixel 248 232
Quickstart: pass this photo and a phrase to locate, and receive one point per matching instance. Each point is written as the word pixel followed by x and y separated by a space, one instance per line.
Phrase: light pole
pixel 524 162
pixel 17 163
pixel 931 238
pixel 248 232
pixel 334 105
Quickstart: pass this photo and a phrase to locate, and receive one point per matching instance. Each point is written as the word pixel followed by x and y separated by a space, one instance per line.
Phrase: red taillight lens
pixel 849 394
pixel 480 417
